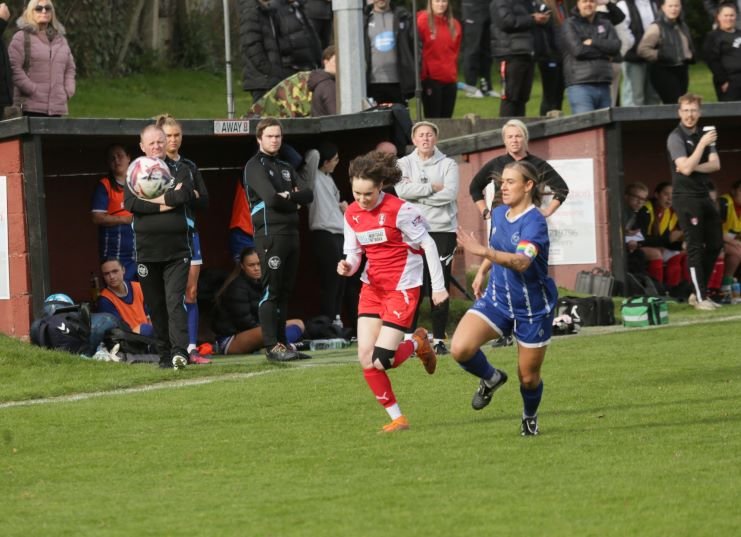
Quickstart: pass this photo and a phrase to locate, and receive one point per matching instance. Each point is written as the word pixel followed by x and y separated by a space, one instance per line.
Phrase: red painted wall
pixel 15 312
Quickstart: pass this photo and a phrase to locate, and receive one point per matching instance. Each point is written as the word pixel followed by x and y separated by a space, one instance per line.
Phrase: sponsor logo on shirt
pixel 372 236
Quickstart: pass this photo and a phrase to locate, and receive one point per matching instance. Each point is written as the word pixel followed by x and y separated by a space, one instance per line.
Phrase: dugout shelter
pixel 51 165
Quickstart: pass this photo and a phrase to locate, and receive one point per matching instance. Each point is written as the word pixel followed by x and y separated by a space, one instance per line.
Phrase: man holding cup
pixel 693 157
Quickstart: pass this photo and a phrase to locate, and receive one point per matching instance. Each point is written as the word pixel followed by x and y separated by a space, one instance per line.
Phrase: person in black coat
pixel 723 54
pixel 300 48
pixel 258 38
pixel 6 76
pixel 235 318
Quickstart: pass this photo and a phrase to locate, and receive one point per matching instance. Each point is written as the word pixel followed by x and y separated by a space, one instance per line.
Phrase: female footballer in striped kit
pixel 520 298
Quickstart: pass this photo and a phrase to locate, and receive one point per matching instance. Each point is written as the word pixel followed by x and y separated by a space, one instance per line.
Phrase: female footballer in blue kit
pixel 520 298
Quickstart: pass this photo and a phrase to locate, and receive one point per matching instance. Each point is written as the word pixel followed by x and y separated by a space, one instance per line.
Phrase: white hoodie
pixel 440 209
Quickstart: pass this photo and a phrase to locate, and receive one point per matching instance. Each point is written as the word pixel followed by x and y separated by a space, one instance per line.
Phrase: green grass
pixel 639 428
pixel 195 94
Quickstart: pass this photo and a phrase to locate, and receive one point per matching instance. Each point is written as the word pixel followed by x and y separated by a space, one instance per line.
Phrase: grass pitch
pixel 639 436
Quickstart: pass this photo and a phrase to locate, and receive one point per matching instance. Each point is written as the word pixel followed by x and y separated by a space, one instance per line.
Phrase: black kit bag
pixel 132 347
pixel 587 311
pixel 67 329
pixel 598 282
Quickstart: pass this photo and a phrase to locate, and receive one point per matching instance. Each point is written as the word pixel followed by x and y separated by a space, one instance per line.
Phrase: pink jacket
pixel 50 81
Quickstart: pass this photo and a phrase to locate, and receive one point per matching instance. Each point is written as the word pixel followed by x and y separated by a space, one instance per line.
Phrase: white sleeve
pixel 354 260
pixel 433 263
pixel 411 223
pixel 351 246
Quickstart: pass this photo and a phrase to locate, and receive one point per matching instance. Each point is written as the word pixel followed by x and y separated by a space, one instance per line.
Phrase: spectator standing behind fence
pixel 236 319
pixel 115 235
pixel 667 46
pixel 326 223
pixel 258 39
pixel 712 7
pixel 272 187
pixel 440 36
pixel 323 85
pixel 476 46
pixel 429 181
pixel 548 57
pixel 515 137
pixel 321 16
pixel 174 133
pixel 730 212
pixel 389 52
pixel 617 18
pixel 299 45
pixel 513 44
pixel 589 43
pixel 693 156
pixel 6 75
pixel 42 62
pixel 723 54
pixel 636 88
pixel 163 252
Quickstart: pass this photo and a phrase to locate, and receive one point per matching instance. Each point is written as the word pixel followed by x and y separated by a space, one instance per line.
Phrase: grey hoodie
pixel 440 209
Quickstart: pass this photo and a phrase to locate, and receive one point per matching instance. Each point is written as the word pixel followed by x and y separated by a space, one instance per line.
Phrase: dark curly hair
pixel 376 166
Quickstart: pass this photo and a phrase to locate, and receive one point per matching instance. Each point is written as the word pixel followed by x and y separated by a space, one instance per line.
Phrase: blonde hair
pixel 517 124
pixel 419 124
pixel 27 17
pixel 167 120
pixel 448 16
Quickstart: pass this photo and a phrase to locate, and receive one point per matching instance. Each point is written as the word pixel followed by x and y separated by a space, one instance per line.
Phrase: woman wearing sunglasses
pixel 42 62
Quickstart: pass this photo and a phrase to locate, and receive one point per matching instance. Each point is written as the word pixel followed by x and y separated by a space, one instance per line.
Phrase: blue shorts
pixel 197 258
pixel 529 332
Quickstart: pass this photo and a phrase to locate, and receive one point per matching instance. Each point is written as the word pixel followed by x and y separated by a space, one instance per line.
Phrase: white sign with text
pixel 572 227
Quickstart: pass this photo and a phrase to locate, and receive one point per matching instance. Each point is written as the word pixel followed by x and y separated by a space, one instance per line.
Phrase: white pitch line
pixel 166 385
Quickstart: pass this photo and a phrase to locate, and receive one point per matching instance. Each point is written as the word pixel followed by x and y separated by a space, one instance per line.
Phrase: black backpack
pixel 67 329
pixel 132 347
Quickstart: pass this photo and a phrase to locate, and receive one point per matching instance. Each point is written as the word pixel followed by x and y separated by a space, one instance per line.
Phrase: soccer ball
pixel 148 177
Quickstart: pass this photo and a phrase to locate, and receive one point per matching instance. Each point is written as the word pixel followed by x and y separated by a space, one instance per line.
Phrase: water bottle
pixel 327 344
pixel 736 292
pixel 94 287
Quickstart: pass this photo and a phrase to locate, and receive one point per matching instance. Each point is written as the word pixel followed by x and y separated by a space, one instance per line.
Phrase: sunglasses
pixel 39 9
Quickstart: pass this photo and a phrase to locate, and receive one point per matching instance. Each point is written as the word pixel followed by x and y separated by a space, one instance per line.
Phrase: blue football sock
pixel 531 400
pixel 479 366
pixel 192 310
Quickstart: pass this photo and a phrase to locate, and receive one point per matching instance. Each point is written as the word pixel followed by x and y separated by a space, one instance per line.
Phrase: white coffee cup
pixel 709 128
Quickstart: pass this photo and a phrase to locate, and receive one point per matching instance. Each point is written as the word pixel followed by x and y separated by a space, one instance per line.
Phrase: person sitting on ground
pixel 235 320
pixel 123 299
pixel 323 85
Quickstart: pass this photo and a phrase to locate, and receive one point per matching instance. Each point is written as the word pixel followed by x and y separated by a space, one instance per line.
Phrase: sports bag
pixel 67 329
pixel 133 347
pixel 598 282
pixel 587 311
pixel 640 311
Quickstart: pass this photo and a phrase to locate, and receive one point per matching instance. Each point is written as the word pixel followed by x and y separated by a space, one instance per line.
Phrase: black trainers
pixel 482 397
pixel 504 341
pixel 529 426
pixel 440 348
pixel 280 353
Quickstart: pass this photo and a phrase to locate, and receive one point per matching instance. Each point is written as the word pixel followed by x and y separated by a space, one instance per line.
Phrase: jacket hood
pixel 437 156
pixel 317 77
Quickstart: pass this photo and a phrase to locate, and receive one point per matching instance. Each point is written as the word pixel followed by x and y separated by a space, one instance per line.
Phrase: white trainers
pixel 704 305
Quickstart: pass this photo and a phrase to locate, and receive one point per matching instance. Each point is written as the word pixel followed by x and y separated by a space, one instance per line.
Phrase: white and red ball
pixel 149 177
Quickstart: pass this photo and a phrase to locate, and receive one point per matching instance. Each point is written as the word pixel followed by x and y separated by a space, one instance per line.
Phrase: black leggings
pixel 438 98
pixel 669 82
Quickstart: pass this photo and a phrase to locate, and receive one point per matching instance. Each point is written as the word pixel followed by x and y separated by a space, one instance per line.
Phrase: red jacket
pixel 439 51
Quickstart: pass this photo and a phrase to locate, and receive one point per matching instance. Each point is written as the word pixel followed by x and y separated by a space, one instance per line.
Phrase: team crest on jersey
pixel 142 271
pixel 286 175
pixel 381 219
pixel 274 262
pixel 515 239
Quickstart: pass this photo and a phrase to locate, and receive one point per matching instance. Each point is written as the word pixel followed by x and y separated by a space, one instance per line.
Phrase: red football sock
pixel 656 269
pixel 673 271
pixel 380 384
pixel 403 351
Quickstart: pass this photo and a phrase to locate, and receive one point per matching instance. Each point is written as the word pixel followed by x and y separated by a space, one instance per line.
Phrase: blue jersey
pixel 521 295
pixel 113 241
